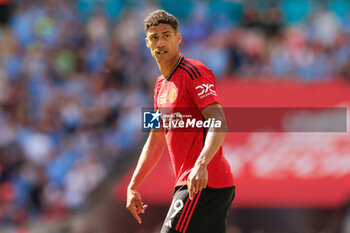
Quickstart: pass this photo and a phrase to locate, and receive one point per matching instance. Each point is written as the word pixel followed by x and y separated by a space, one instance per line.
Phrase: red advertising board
pixel 288 168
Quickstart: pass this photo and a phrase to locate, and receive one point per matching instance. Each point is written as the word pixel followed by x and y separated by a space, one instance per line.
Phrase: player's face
pixel 163 41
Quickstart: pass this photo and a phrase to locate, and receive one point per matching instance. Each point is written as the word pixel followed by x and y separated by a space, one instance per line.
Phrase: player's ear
pixel 147 42
pixel 179 38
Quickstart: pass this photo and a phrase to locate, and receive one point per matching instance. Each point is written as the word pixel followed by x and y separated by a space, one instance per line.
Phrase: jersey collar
pixel 168 77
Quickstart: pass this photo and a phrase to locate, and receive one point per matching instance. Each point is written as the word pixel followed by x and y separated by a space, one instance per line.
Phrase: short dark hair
pixel 160 16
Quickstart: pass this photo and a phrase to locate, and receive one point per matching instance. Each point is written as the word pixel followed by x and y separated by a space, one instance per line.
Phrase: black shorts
pixel 206 213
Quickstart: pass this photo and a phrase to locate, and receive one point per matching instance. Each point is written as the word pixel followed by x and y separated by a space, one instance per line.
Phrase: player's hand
pixel 134 204
pixel 197 179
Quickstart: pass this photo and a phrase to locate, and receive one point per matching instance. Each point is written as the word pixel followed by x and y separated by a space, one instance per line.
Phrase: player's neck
pixel 166 68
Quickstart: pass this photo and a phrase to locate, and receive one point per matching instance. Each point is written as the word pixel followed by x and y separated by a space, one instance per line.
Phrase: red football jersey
pixel 188 89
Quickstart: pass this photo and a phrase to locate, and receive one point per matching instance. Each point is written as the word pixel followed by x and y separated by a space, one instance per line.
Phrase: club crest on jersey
pixel 172 95
pixel 205 90
pixel 167 94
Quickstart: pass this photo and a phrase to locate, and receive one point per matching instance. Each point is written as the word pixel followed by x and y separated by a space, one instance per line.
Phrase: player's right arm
pixel 150 156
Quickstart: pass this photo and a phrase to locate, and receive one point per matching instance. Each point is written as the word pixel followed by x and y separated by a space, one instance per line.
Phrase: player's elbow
pixel 224 127
pixel 220 126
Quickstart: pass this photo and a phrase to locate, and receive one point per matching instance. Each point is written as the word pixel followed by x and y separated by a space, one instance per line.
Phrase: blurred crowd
pixel 263 44
pixel 71 93
pixel 317 49
pixel 75 74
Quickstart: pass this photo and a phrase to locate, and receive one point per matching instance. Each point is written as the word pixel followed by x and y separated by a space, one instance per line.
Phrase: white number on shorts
pixel 177 205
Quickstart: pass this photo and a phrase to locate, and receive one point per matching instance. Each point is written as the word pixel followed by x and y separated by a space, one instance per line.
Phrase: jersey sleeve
pixel 203 89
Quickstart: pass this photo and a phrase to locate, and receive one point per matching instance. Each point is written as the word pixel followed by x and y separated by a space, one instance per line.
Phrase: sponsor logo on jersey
pixel 205 90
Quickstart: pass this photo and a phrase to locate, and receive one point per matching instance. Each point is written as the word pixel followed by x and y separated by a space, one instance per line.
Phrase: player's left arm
pixel 198 178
